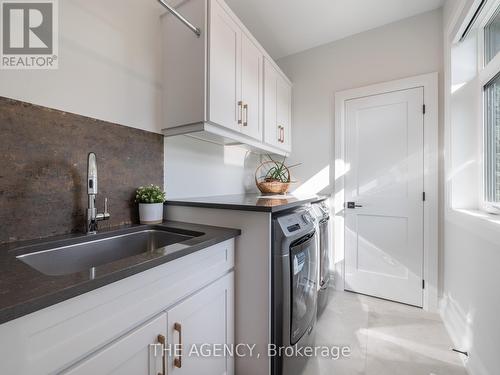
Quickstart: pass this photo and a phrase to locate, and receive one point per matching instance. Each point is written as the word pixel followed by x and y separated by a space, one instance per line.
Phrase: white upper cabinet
pixel 251 87
pixel 225 70
pixel 284 111
pixel 277 108
pixel 214 85
pixel 235 76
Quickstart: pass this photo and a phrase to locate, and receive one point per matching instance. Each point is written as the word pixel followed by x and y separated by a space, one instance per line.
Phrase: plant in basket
pixel 273 176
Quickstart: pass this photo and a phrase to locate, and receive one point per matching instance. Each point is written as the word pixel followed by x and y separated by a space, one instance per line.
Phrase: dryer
pixel 322 213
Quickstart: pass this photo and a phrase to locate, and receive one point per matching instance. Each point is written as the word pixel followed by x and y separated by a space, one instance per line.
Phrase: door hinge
pixel 423 196
pixel 423 284
pixel 423 109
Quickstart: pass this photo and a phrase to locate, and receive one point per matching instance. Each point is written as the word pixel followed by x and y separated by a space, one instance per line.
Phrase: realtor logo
pixel 29 34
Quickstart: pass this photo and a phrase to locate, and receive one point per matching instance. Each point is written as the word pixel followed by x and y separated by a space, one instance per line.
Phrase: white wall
pixel 109 64
pixel 409 47
pixel 471 302
pixel 197 168
pixel 110 59
pixel 406 48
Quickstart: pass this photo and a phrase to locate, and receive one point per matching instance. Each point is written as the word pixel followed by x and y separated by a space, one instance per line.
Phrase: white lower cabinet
pixel 133 354
pixel 195 333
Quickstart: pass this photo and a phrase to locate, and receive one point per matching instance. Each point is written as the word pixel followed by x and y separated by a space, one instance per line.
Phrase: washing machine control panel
pixel 296 221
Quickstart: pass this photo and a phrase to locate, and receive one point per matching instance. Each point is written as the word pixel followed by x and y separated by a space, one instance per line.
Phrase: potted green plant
pixel 150 199
pixel 273 176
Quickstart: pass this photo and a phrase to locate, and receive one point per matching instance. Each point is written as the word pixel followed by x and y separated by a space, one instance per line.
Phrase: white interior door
pixel 384 231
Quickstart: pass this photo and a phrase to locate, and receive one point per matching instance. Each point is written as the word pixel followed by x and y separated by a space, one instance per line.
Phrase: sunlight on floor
pixel 386 338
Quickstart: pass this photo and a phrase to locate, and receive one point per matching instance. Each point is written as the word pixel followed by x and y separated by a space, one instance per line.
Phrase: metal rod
pixel 181 18
pixel 460 352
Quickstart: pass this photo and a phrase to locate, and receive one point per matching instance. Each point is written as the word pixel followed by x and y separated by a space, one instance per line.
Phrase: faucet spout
pixel 92 174
pixel 92 216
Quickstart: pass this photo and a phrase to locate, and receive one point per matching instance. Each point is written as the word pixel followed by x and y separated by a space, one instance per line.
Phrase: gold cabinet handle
pixel 161 340
pixel 240 112
pixel 245 108
pixel 178 361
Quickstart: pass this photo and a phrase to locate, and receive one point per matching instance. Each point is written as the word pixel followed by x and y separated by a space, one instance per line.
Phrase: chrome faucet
pixel 92 216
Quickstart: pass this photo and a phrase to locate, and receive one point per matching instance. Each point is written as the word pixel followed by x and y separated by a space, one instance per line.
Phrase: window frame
pixel 486 73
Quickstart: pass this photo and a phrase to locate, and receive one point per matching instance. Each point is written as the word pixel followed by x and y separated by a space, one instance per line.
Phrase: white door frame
pixel 431 219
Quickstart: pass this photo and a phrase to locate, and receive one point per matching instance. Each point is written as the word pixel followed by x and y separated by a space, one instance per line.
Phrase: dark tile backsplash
pixel 43 169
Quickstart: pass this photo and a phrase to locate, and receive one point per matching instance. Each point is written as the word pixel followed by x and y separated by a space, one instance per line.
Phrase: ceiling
pixel 285 27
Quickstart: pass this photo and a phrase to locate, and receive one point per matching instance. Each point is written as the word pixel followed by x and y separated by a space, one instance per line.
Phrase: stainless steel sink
pixel 64 260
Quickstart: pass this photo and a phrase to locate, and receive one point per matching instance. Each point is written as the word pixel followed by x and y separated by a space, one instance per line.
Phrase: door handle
pixel 161 340
pixel 178 361
pixel 281 134
pixel 353 205
pixel 245 121
pixel 240 112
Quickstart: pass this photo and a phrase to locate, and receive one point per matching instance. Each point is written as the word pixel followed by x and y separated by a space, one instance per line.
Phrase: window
pixel 492 140
pixel 492 37
pixel 491 85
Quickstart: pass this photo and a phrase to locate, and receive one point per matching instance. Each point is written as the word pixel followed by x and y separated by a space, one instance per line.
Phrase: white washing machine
pixel 322 216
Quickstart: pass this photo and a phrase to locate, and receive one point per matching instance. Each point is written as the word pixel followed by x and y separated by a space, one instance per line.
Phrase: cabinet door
pixel 283 112
pixel 224 69
pixel 133 354
pixel 271 131
pixel 251 88
pixel 204 318
pixel 277 108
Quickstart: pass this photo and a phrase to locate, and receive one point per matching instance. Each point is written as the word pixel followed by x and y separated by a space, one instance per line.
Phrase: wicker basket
pixel 271 187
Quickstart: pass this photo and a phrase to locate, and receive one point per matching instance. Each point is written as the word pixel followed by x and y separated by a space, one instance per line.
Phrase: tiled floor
pixel 385 338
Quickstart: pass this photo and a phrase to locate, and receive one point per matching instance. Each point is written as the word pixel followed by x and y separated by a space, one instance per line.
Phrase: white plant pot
pixel 151 213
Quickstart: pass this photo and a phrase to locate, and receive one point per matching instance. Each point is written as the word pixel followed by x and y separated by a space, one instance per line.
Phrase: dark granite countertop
pixel 248 202
pixel 24 290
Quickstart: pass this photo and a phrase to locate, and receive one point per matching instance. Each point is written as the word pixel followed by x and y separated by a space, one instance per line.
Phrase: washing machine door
pixel 303 267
